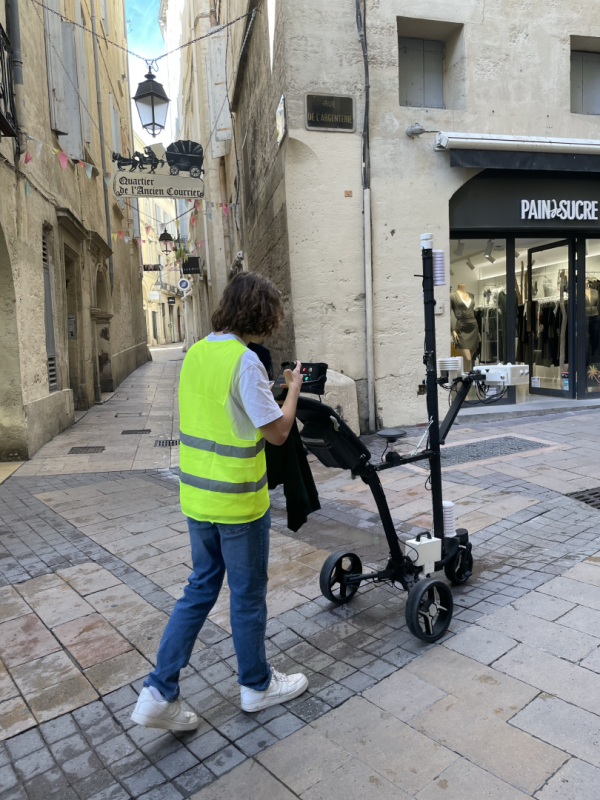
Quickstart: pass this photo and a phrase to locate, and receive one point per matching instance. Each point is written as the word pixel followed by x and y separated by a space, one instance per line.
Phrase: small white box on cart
pixel 424 552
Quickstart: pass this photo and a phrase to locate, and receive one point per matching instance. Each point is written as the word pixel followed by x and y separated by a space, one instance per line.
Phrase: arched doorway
pixel 13 432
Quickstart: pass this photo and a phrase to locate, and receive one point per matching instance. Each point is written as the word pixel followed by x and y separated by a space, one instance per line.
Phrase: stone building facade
pixel 503 100
pixel 72 324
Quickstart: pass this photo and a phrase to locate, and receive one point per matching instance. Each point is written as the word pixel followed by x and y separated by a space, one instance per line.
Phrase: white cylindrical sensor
pixel 449 518
pixel 439 267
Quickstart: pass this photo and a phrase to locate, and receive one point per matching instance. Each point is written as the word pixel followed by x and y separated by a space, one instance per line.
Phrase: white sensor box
pixel 423 553
pixel 504 374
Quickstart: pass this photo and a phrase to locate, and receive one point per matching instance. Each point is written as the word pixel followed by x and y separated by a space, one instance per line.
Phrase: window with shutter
pixel 49 317
pixel 81 60
pixel 585 83
pixel 54 68
pixel 72 142
pixel 115 125
pixel 105 15
pixel 136 217
pixel 421 72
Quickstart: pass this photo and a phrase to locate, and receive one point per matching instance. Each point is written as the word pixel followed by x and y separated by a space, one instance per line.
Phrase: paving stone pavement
pixel 94 553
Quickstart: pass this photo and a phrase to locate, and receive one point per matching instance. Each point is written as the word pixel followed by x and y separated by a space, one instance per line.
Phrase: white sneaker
pixel 154 713
pixel 281 689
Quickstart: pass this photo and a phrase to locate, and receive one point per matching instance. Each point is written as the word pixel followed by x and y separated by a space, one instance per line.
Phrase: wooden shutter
pixel 72 143
pixel 81 59
pixel 105 15
pixel 433 74
pixel 115 125
pixel 54 54
pixel 49 317
pixel 135 211
pixel 421 72
pixel 410 62
pixel 576 82
pixel 591 83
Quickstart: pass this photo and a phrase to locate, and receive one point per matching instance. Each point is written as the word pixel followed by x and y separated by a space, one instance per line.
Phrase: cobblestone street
pixel 94 551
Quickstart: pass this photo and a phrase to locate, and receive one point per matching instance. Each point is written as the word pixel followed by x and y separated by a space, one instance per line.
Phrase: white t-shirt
pixel 251 403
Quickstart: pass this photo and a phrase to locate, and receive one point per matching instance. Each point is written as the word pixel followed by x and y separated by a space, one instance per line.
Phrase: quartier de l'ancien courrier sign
pixel 175 172
pixel 327 112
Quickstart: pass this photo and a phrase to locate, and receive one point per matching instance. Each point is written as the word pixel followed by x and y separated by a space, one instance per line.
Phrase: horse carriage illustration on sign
pixel 180 156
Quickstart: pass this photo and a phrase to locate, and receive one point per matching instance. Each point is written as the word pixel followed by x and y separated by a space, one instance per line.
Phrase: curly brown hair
pixel 251 304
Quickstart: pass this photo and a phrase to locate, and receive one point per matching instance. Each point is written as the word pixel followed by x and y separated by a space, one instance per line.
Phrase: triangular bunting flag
pixel 27 187
pixel 64 159
pixel 193 219
pixel 147 229
pixel 88 171
pixel 177 223
pixel 55 150
pixel 139 241
pixel 113 236
pixel 28 158
pixel 127 239
pixel 82 163
pixel 197 204
pixel 226 209
pixel 120 234
pixel 38 148
pixel 209 215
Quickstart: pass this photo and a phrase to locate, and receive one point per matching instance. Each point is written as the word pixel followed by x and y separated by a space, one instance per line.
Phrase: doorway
pixel 155 326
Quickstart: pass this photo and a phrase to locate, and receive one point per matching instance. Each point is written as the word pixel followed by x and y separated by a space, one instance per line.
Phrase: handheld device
pixel 314 376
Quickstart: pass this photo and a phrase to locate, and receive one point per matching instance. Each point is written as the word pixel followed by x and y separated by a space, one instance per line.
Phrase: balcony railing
pixel 8 116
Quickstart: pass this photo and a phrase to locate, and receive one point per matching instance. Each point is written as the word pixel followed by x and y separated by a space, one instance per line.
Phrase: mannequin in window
pixel 466 331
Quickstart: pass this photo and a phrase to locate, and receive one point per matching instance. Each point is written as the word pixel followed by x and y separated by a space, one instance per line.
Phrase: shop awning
pixel 503 151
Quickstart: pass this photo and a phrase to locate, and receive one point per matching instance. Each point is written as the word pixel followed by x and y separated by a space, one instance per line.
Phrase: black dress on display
pixel 466 325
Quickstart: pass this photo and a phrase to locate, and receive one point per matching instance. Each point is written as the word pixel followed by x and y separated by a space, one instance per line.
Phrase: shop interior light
pixel 490 258
pixel 470 264
pixel 489 247
pixel 460 246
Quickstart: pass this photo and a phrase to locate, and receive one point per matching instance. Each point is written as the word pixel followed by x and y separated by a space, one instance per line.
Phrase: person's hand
pixel 293 378
pixel 454 336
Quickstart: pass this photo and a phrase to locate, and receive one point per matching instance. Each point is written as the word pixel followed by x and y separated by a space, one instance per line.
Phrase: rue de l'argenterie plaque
pixel 327 112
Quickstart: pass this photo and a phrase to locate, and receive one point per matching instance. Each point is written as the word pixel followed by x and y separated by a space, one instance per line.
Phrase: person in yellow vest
pixel 227 411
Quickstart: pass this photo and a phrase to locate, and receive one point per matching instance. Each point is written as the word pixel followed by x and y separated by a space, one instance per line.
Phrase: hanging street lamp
pixel 152 104
pixel 166 241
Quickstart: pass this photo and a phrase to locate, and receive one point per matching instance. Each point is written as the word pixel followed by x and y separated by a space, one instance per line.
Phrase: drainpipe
pixel 366 181
pixel 102 146
pixel 14 26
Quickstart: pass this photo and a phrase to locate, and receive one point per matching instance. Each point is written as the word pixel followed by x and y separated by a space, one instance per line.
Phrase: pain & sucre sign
pixel 559 209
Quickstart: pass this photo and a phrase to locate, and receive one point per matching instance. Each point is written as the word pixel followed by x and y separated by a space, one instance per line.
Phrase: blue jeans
pixel 242 550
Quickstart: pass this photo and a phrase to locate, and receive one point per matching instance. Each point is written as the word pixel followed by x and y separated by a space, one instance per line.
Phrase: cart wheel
pixel 195 172
pixel 174 170
pixel 429 609
pixel 333 572
pixel 460 569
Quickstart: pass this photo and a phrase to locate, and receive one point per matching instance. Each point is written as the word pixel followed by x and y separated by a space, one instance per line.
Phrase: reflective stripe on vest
pixel 221 449
pixel 223 477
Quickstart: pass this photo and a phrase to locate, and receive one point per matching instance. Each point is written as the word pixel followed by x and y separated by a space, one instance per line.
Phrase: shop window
pixel 478 300
pixel 431 64
pixel 585 82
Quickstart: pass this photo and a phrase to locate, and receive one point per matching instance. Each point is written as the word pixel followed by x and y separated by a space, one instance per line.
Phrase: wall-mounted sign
pixel 154 296
pixel 171 301
pixel 72 326
pixel 559 209
pixel 183 284
pixel 175 172
pixel 507 201
pixel 535 382
pixel 328 112
pixel 192 266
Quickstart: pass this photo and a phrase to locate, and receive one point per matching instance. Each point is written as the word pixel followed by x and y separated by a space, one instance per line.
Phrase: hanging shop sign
pixel 175 172
pixel 328 112
pixel 170 301
pixel 183 284
pixel 192 266
pixel 154 296
pixel 152 267
pixel 512 201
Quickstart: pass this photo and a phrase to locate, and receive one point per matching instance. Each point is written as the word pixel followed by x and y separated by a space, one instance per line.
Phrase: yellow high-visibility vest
pixel 222 478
